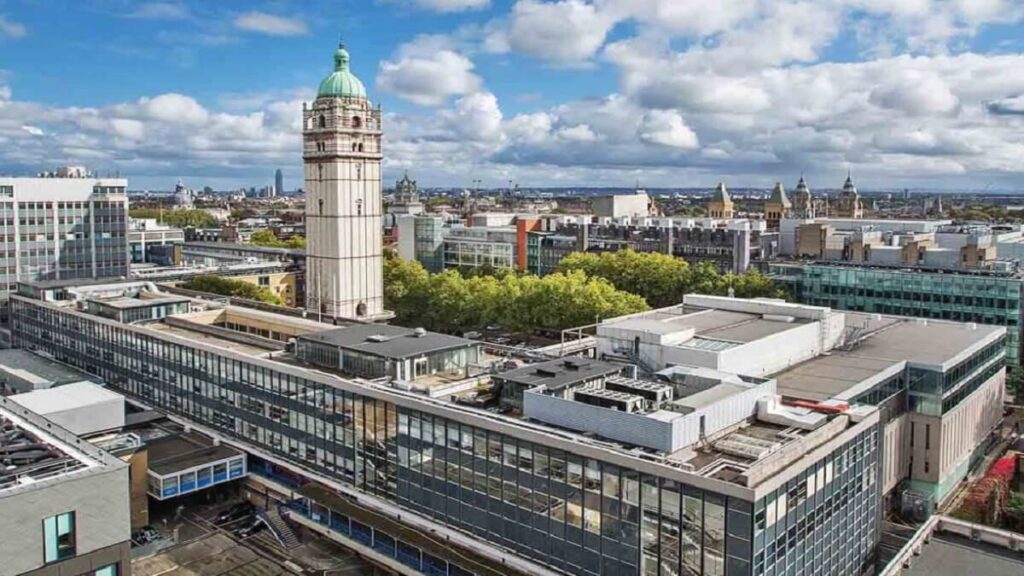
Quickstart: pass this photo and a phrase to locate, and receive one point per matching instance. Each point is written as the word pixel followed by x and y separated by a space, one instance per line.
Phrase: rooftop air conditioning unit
pixel 377 338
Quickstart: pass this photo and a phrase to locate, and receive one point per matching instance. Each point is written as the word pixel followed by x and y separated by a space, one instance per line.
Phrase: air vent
pixel 377 338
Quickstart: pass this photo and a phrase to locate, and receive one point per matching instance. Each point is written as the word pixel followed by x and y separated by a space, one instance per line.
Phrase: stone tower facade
pixel 720 205
pixel 342 156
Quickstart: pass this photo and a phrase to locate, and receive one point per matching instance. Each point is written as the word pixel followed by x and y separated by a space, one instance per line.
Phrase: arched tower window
pixel 320 171
pixel 361 309
pixel 354 148
pixel 359 206
pixel 323 121
pixel 356 122
pixel 360 146
pixel 320 204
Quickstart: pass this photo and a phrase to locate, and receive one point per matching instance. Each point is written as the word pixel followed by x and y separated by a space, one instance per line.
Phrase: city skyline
pixel 571 93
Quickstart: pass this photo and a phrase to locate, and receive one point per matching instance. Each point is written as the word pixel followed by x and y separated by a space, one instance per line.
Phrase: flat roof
pixel 127 303
pixel 395 342
pixel 887 341
pixel 172 454
pixel 557 374
pixel 201 338
pixel 37 369
pixel 948 554
pixel 708 323
pixel 68 397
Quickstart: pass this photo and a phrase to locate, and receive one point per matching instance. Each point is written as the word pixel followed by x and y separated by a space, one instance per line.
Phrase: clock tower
pixel 341 135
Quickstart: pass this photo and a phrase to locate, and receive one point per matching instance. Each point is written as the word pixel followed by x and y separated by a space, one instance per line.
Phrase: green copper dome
pixel 341 83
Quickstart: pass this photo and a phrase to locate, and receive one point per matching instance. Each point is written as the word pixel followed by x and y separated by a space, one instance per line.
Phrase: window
pixel 109 570
pixel 59 537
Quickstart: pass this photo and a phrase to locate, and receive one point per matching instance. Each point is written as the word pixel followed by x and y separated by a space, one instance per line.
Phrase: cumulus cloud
pixel 667 129
pixel 563 32
pixel 11 30
pixel 263 23
pixel 428 71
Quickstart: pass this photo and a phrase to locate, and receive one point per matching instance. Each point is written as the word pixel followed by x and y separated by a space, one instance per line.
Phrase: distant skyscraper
pixel 341 150
pixel 278 183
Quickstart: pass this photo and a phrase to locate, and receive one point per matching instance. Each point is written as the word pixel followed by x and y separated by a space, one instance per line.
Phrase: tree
pixel 450 302
pixel 662 280
pixel 266 237
pixel 177 218
pixel 233 288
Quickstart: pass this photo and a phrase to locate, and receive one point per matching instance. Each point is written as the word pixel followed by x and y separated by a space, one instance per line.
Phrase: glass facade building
pixel 963 297
pixel 546 495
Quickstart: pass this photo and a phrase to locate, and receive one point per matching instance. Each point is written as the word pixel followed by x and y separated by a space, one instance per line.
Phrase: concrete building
pixel 722 452
pixel 636 205
pixel 537 243
pixel 60 227
pixel 64 502
pixel 342 155
pixel 152 242
pixel 928 377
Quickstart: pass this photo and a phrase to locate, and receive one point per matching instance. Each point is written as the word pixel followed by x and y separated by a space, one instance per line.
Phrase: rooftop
pixel 127 303
pixel 557 374
pixel 38 453
pixel 37 370
pixel 951 555
pixel 172 454
pixel 388 341
pixel 882 345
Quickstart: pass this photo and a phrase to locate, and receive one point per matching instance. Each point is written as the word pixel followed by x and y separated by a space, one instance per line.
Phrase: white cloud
pixel 33 130
pixel 160 11
pixel 11 30
pixel 577 133
pixel 270 24
pixel 667 128
pixel 562 32
pixel 915 93
pixel 450 5
pixel 428 71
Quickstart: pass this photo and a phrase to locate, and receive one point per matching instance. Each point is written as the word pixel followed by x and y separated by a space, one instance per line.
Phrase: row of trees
pixel 177 218
pixel 232 287
pixel 266 237
pixel 451 302
pixel 663 280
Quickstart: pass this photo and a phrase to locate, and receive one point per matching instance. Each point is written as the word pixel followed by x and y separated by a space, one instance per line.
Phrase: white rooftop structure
pixel 82 408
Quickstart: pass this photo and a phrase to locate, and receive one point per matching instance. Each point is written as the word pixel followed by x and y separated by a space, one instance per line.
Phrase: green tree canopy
pixel 177 218
pixel 266 237
pixel 450 302
pixel 232 287
pixel 662 280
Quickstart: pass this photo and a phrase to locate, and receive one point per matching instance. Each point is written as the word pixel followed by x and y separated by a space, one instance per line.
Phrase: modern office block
pixel 61 228
pixel 961 296
pixel 558 499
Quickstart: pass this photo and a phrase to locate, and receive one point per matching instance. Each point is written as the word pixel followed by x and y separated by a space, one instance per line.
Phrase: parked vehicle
pixel 252 528
pixel 236 512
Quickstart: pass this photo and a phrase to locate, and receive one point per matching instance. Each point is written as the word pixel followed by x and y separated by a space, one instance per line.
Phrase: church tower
pixel 341 135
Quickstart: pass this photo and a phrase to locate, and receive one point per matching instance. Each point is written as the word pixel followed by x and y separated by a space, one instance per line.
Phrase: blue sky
pixel 918 93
